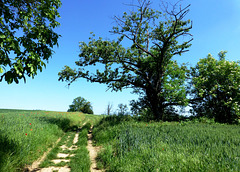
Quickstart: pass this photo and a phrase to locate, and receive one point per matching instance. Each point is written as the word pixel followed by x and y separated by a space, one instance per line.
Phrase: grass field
pixel 129 146
pixel 26 135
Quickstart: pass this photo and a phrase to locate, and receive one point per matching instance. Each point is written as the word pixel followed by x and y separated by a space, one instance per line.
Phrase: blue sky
pixel 216 27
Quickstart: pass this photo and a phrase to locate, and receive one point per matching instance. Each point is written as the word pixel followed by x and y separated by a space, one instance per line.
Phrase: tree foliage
pixel 216 87
pixel 146 65
pixel 80 104
pixel 122 110
pixel 26 36
pixel 174 91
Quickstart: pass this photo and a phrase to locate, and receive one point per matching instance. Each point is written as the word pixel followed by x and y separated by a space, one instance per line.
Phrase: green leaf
pixel 2 36
pixel 43 15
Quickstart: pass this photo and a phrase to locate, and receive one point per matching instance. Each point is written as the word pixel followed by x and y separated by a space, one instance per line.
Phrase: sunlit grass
pixel 26 135
pixel 137 146
pixel 81 160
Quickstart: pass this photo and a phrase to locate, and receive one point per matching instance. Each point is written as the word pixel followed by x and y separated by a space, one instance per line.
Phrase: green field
pixel 127 144
pixel 26 135
pixel 130 145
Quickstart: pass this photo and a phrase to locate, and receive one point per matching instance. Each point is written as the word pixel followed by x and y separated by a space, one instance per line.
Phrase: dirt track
pixel 92 153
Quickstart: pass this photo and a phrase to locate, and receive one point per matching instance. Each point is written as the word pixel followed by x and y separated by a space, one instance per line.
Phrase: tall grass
pixel 136 146
pixel 81 161
pixel 26 135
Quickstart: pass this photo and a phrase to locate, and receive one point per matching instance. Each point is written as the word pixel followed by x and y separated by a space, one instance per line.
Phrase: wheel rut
pixel 92 152
pixel 64 155
pixel 36 164
pixel 61 157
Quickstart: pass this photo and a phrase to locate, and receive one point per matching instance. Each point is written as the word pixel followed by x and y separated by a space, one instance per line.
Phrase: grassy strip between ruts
pixel 26 135
pixel 130 146
pixel 66 139
pixel 81 161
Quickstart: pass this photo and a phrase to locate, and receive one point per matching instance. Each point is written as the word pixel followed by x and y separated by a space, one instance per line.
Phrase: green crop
pixel 138 146
pixel 26 135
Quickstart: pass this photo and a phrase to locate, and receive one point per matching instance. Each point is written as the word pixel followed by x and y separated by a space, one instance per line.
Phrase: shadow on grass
pixel 113 120
pixel 7 149
pixel 63 123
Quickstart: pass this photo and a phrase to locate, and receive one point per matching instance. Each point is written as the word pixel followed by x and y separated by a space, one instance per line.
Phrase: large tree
pixel 80 104
pixel 216 89
pixel 154 38
pixel 26 36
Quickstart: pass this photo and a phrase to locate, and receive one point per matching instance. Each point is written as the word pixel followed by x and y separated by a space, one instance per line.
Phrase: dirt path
pixel 36 164
pixel 92 152
pixel 63 157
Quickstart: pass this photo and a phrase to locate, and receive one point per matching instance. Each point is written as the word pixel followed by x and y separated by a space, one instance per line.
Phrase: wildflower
pixel 26 134
pixel 30 123
pixel 31 129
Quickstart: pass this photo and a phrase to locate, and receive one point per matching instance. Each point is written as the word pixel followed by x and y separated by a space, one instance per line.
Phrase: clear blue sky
pixel 216 27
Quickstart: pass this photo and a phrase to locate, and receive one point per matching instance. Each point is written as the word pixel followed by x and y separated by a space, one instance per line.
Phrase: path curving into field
pixel 92 152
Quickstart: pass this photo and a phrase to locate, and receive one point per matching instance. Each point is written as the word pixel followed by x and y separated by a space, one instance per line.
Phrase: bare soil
pixel 92 153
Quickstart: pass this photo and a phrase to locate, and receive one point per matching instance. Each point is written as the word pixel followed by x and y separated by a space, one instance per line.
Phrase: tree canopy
pixel 216 88
pixel 80 104
pixel 146 65
pixel 26 37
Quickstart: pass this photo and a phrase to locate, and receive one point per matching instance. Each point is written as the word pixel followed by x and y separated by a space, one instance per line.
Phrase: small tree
pixel 109 109
pixel 216 89
pixel 122 109
pixel 26 37
pixel 80 104
pixel 146 65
